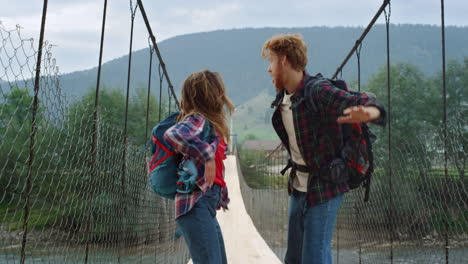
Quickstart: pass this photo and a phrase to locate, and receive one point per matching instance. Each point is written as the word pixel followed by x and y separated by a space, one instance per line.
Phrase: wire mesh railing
pixel 411 224
pixel 418 206
pixel 86 199
pixel 83 197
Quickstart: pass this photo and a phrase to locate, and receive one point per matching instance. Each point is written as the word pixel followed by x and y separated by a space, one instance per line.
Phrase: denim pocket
pixel 213 195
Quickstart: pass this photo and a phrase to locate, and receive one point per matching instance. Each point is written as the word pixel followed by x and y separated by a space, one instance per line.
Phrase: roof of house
pixel 268 145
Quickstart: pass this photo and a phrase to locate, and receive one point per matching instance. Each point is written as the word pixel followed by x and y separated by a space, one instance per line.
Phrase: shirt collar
pixel 280 94
pixel 300 88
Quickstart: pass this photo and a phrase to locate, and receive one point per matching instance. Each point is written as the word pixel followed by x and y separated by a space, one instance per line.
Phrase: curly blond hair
pixel 290 45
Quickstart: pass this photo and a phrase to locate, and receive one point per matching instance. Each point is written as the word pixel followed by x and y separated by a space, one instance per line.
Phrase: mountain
pixel 236 55
pixel 253 117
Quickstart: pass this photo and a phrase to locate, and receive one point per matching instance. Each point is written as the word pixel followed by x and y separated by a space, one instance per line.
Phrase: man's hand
pixel 359 114
pixel 210 173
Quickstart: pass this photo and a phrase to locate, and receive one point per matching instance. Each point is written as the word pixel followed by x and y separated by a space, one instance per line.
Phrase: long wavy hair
pixel 204 93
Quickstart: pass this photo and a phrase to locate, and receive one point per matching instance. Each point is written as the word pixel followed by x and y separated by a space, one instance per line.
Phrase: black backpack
pixel 356 159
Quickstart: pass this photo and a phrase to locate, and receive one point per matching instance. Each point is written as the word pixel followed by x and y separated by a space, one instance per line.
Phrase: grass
pixel 38 220
pixel 258 180
pixel 413 193
pixel 456 223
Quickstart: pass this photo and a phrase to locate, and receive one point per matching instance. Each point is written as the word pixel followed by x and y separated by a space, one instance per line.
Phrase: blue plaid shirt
pixel 185 137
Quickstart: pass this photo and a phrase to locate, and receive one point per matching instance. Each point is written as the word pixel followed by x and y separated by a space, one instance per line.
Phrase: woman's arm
pixel 185 138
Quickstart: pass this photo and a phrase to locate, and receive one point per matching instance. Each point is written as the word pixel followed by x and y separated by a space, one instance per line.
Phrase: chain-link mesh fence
pixel 88 200
pixel 80 209
pixel 411 224
pixel 417 212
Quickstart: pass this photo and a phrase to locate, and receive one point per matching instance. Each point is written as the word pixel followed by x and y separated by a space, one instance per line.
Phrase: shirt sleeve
pixel 185 138
pixel 333 99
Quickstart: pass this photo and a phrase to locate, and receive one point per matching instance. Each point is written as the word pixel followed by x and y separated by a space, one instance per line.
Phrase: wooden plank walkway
pixel 243 242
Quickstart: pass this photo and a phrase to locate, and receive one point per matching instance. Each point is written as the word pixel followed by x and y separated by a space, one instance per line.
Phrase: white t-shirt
pixel 300 182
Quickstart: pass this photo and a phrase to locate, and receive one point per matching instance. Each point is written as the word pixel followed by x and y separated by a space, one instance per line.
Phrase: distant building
pixel 267 145
pixel 271 148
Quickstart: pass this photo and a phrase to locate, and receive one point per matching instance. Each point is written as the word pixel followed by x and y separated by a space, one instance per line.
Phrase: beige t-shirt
pixel 300 182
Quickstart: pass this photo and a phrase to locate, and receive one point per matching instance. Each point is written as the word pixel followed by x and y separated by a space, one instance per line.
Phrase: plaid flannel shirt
pixel 185 138
pixel 317 132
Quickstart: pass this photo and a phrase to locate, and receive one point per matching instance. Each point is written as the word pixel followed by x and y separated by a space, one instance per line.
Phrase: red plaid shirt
pixel 317 132
pixel 185 138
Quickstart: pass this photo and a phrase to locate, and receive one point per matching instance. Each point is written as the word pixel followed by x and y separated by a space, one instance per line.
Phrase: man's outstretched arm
pixel 359 114
pixel 350 107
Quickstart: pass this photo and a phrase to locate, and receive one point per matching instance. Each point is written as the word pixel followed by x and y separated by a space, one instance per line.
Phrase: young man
pixel 312 136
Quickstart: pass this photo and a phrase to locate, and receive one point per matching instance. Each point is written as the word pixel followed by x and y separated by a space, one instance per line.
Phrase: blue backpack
pixel 167 174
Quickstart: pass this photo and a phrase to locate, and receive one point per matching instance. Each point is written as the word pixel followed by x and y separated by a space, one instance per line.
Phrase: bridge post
pixel 389 103
pixel 37 82
pixel 123 234
pixel 94 174
pixel 444 130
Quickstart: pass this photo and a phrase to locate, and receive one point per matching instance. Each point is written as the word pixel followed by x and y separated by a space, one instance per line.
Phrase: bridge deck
pixel 243 242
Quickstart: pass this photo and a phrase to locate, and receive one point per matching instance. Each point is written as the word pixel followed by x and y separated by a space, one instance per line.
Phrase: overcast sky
pixel 75 25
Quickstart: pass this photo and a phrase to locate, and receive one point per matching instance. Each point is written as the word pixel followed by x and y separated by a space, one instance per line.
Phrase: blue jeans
pixel 201 230
pixel 310 231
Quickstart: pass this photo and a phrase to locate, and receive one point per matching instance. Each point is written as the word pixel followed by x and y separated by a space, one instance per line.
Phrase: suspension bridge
pixel 73 185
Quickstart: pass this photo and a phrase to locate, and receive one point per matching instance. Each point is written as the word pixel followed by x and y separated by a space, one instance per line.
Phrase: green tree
pixel 111 116
pixel 250 137
pixel 17 107
pixel 15 130
pixel 137 114
pixel 457 112
pixel 106 174
pixel 412 129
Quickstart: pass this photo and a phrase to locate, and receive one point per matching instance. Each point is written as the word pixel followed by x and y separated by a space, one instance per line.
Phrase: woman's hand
pixel 210 173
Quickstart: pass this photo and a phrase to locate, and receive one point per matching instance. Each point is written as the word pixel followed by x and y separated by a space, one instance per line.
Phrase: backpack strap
pixel 312 82
pixel 370 138
pixel 169 153
pixel 206 131
pixel 309 85
pixel 286 168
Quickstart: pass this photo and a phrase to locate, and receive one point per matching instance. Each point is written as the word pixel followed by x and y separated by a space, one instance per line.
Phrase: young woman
pixel 204 105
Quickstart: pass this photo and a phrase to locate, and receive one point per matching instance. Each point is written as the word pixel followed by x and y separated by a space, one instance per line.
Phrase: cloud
pixel 71 22
pixel 206 15
pixel 75 26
